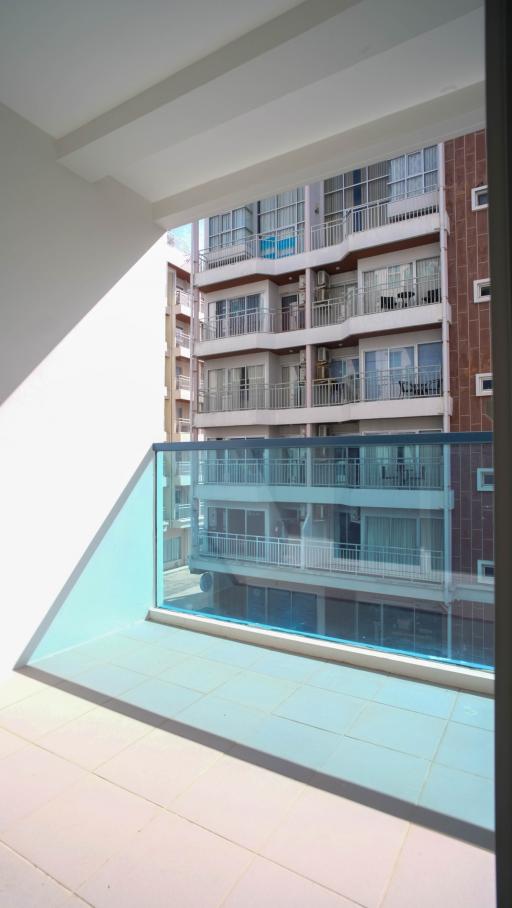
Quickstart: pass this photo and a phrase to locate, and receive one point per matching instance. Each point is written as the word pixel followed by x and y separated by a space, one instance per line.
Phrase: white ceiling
pixel 192 104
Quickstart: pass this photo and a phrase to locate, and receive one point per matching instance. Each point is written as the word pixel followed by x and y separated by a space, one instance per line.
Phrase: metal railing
pixel 374 214
pixel 272 244
pixel 183 426
pixel 339 472
pixel 331 557
pixel 182 339
pixel 181 512
pixel 379 299
pixel 391 384
pixel 253 397
pixel 183 382
pixel 286 241
pixel 182 467
pixel 241 323
pixel 183 298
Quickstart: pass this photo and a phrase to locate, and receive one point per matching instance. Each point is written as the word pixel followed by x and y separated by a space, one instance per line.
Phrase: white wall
pixel 82 368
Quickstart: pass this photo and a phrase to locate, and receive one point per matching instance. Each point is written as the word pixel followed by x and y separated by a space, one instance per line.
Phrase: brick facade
pixel 468 260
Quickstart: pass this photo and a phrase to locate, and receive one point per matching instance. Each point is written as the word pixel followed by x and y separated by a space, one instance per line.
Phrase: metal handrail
pixel 253 397
pixel 271 244
pixel 339 472
pixel 390 384
pixel 332 557
pixel 382 298
pixel 375 214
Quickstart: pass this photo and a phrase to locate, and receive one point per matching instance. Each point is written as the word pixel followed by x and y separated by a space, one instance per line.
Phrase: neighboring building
pixel 345 308
pixel 177 417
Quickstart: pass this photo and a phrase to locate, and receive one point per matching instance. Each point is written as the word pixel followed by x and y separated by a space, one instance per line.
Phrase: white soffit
pixel 253 96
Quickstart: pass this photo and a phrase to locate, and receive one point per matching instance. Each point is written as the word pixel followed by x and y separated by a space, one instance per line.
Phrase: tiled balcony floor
pixel 163 767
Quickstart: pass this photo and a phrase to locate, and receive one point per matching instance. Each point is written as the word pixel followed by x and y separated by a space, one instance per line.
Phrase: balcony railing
pixel 332 557
pixel 253 397
pixel 183 426
pixel 181 511
pixel 183 382
pixel 392 384
pixel 375 214
pixel 183 298
pixel 379 299
pixel 235 325
pixel 182 467
pixel 339 472
pixel 182 339
pixel 273 244
pixel 286 241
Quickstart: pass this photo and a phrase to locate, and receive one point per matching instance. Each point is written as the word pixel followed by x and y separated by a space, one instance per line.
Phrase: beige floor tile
pixel 16 687
pixel 240 801
pixel 159 766
pixel 340 844
pixel 10 743
pixel 170 863
pixel 265 883
pixel 24 886
pixel 29 778
pixel 45 711
pixel 74 834
pixel 435 870
pixel 94 737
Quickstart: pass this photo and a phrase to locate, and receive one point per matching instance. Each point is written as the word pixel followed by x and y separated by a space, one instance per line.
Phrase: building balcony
pixel 316 555
pixel 182 388
pixel 387 307
pixel 183 303
pixel 182 429
pixel 379 223
pixel 383 394
pixel 319 479
pixel 182 344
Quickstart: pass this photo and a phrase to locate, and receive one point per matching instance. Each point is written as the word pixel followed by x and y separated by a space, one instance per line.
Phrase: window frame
pixel 480 378
pixel 477 288
pixel 475 204
pixel 481 484
pixel 481 564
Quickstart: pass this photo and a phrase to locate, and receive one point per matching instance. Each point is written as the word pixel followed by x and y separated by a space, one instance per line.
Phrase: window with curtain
pixel 392 538
pixel 413 173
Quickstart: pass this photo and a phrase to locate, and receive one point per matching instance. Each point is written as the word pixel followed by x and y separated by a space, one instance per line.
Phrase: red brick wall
pixel 468 260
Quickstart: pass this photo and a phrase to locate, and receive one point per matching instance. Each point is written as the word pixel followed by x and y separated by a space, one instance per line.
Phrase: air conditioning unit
pixel 302 281
pixel 322 278
pixel 323 431
pixel 302 298
pixel 322 355
pixel 322 295
pixel 355 515
pixel 302 356
pixel 322 371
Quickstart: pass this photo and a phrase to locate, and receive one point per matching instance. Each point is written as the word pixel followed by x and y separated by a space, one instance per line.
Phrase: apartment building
pixel 353 307
pixel 177 415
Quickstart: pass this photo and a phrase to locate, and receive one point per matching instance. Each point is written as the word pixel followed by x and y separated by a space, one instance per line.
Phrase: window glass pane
pixel 430 355
pixel 430 157
pixel 427 267
pixel 414 185
pixel 414 163
pixel 397 168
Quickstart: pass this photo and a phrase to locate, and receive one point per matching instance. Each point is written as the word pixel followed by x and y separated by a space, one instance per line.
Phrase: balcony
pixel 337 472
pixel 316 555
pixel 385 393
pixel 381 222
pixel 182 387
pixel 375 215
pixel 271 245
pixel 182 429
pixel 253 397
pixel 181 514
pixel 183 303
pixel 387 307
pixel 182 344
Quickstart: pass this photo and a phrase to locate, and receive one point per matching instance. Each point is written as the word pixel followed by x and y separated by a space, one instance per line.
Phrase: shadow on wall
pixel 113 584
pixel 63 244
